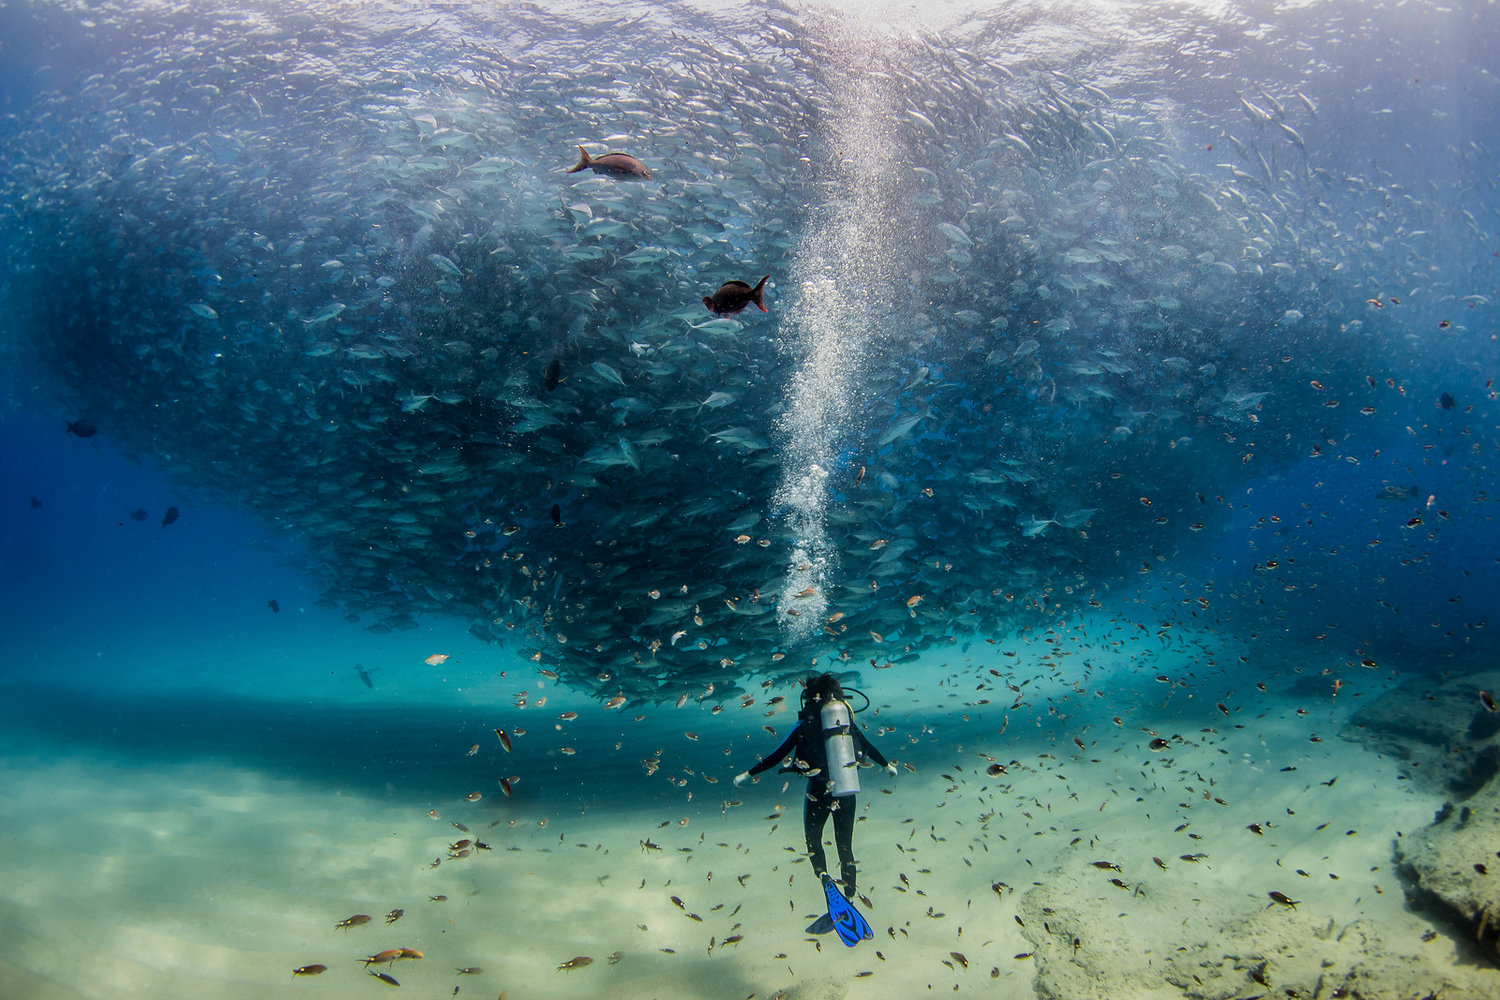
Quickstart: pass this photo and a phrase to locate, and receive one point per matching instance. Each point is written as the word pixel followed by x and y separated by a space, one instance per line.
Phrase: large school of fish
pixel 337 272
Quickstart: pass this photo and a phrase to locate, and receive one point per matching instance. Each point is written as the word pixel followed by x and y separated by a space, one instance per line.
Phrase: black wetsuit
pixel 805 742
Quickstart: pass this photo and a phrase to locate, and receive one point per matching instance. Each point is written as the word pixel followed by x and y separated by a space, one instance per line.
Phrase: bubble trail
pixel 841 277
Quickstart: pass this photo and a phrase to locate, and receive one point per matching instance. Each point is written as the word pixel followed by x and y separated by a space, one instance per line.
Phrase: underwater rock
pixel 1452 868
pixel 1442 729
pixel 1217 946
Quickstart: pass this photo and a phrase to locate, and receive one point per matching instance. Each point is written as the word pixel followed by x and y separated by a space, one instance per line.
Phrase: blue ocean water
pixel 1121 422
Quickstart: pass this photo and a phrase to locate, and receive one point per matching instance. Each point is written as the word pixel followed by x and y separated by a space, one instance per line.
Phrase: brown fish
pixel 354 921
pixel 575 963
pixel 309 970
pixel 1282 898
pixel 382 957
pixel 733 296
pixel 621 165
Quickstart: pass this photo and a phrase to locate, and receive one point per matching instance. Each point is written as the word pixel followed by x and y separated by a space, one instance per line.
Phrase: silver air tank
pixel 838 743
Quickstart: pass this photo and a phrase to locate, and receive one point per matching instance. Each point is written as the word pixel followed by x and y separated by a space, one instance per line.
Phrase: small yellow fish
pixel 435 659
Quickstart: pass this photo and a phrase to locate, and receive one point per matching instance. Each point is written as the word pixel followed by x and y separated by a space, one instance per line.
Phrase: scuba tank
pixel 838 745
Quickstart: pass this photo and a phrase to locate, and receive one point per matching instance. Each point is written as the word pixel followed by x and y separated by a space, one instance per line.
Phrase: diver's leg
pixel 814 815
pixel 843 835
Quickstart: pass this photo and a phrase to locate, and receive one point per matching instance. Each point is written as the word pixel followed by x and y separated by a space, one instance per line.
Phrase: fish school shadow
pixel 415 752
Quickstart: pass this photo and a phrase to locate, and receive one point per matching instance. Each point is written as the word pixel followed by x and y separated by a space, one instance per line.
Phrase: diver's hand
pixel 741 778
pixel 891 769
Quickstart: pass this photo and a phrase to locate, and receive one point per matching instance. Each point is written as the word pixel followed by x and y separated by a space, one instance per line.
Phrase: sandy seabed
pixel 195 875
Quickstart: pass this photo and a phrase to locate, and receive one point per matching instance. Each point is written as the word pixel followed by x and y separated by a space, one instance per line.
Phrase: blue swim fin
pixel 846 919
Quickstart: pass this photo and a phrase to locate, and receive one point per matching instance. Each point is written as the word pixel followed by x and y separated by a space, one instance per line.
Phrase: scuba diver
pixel 827 749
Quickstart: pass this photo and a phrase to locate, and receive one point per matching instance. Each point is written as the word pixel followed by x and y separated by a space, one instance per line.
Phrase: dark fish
pixel 621 165
pixel 275 608
pixel 733 296
pixel 552 376
pixel 1446 400
pixel 388 980
pixel 139 514
pixel 557 515
pixel 36 504
pixel 87 428
pixel 169 516
pixel 309 970
pixel 364 676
